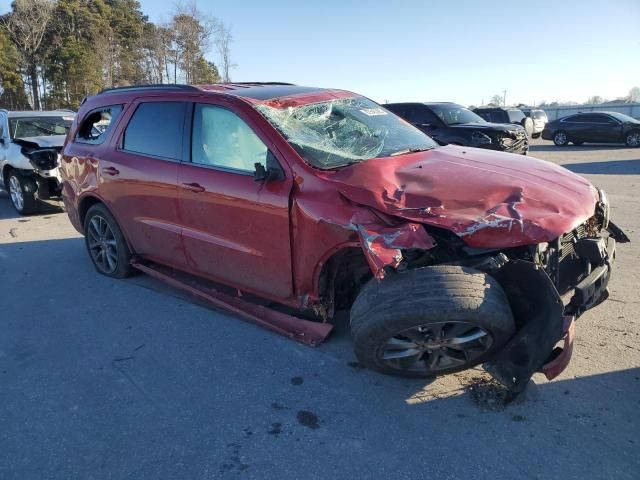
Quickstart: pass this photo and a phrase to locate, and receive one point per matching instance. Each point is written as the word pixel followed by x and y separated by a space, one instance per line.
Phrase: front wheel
pixel 105 242
pixel 430 321
pixel 22 192
pixel 633 139
pixel 560 138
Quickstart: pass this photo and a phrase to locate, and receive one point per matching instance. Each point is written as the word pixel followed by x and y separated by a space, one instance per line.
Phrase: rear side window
pixel 97 124
pixel 588 118
pixel 515 116
pixel 156 129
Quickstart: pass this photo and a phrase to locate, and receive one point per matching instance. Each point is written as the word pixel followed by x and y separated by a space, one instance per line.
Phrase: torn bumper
pixel 544 318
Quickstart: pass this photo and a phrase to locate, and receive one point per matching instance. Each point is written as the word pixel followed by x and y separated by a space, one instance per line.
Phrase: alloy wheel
pixel 436 346
pixel 560 138
pixel 633 139
pixel 102 243
pixel 15 191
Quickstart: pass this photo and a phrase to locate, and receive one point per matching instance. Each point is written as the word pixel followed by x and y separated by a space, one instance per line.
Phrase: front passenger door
pixel 235 229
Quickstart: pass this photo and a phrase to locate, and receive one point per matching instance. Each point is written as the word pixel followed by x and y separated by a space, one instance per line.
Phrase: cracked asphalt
pixel 106 379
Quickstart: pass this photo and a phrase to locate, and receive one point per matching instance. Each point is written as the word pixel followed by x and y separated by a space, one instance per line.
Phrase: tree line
pixel 53 53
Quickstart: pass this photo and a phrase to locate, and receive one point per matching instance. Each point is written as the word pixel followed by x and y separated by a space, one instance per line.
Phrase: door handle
pixel 113 171
pixel 193 187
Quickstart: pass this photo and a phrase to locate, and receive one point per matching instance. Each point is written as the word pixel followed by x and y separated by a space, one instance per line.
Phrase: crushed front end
pixel 549 286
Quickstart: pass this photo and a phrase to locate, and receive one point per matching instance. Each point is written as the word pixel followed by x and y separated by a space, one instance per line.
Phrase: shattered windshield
pixel 22 127
pixel 342 131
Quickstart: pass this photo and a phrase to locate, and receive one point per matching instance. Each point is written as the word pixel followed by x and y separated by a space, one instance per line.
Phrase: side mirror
pixel 273 172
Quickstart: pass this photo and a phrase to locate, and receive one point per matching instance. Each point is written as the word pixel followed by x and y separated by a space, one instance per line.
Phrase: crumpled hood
pixel 489 199
pixel 43 141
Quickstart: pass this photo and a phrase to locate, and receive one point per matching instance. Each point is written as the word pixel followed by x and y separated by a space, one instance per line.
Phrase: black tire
pixel 560 138
pixel 22 193
pixel 577 144
pixel 424 298
pixel 96 242
pixel 536 135
pixel 632 139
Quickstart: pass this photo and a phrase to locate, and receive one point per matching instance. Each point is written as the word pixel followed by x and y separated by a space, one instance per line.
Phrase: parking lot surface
pixel 101 378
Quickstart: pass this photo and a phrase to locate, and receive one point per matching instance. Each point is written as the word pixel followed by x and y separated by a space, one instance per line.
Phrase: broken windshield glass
pixel 343 131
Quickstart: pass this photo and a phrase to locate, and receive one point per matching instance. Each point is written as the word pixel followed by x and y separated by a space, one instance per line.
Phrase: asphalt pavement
pixel 109 379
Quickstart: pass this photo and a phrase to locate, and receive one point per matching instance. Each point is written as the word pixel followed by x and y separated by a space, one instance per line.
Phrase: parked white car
pixel 30 143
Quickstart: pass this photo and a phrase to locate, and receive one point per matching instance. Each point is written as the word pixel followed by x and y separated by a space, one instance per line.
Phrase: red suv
pixel 318 200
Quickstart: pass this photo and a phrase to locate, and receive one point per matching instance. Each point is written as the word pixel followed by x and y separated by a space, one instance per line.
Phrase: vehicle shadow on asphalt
pixel 575 148
pixel 612 167
pixel 471 388
pixel 7 212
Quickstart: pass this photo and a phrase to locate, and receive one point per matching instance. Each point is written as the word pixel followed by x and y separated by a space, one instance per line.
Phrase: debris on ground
pixel 488 394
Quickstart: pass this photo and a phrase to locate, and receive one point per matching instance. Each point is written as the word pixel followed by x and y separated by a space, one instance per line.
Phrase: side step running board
pixel 304 331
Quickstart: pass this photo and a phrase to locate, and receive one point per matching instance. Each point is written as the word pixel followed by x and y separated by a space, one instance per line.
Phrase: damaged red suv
pixel 273 198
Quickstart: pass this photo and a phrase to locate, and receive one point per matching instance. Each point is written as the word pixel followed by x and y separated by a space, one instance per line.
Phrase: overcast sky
pixel 463 51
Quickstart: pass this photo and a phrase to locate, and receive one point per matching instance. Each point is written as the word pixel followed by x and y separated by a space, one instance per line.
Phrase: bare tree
pixel 634 94
pixel 595 99
pixel 192 31
pixel 496 100
pixel 223 44
pixel 26 25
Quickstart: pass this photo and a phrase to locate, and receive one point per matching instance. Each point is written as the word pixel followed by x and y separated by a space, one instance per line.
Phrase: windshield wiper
pixel 410 150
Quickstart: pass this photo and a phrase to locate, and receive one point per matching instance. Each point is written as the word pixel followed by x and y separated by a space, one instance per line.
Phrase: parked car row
pixel 452 124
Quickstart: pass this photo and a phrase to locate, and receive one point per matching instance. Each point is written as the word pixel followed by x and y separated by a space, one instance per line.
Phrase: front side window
pixel 97 124
pixel 342 131
pixel 156 129
pixel 222 139
pixel 21 127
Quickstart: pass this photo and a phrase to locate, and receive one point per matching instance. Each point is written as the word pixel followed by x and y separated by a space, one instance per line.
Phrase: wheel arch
pixel 89 200
pixel 5 174
pixel 340 274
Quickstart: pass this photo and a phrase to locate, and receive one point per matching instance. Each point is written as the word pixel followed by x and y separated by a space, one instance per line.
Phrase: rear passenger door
pixel 235 229
pixel 138 178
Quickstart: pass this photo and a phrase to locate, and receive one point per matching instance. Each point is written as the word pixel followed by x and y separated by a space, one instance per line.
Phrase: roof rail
pixel 157 86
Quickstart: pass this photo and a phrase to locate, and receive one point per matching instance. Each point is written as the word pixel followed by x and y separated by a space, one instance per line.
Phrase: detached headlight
pixel 479 138
pixel 604 208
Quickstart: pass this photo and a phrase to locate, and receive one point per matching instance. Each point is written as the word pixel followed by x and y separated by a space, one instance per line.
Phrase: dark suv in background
pixel 450 123
pixel 506 115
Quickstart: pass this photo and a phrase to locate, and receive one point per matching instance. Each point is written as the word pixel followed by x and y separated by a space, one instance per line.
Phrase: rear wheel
pixel 22 192
pixel 560 138
pixel 430 321
pixel 633 139
pixel 105 242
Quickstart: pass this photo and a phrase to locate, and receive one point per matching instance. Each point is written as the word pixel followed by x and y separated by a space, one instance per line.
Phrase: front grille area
pixel 566 268
pixel 513 141
pixel 568 241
